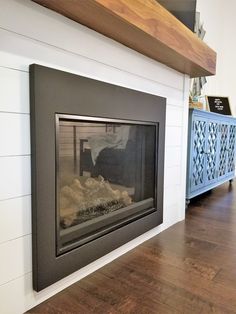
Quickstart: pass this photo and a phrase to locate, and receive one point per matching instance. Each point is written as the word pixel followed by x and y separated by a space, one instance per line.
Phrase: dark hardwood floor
pixel 189 268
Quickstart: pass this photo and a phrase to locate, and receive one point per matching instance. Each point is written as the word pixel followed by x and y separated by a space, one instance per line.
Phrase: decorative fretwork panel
pixel 199 142
pixel 212 151
pixel 231 148
pixel 223 149
pixel 211 156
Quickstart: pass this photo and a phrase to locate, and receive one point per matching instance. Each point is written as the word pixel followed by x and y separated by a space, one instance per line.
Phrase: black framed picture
pixel 219 104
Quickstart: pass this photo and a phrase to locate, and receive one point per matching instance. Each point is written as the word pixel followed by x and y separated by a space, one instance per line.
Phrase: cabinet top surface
pixel 204 113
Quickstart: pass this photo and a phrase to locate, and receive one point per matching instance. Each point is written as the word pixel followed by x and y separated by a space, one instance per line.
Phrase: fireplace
pixel 97 169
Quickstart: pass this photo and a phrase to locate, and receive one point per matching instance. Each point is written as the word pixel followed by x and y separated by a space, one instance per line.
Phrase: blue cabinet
pixel 211 151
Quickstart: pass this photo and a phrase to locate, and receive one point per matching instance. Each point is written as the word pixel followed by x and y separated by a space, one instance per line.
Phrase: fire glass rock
pixel 85 199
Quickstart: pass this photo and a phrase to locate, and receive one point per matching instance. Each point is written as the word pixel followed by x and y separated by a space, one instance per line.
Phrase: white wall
pixel 29 34
pixel 219 21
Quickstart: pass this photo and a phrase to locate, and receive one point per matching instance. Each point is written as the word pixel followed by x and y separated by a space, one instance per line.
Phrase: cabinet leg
pixel 187 202
pixel 231 181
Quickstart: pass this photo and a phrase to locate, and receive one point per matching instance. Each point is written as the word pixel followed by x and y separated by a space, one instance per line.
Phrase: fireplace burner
pixel 97 169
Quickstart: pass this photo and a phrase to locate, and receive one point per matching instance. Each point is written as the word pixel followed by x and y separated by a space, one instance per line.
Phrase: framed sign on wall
pixel 219 104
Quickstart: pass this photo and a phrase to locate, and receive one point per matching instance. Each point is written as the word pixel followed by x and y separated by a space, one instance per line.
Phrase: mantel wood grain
pixel 145 26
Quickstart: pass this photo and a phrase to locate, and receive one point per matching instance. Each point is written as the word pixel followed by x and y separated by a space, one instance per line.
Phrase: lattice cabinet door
pixel 223 149
pixel 211 153
pixel 198 148
pixel 231 149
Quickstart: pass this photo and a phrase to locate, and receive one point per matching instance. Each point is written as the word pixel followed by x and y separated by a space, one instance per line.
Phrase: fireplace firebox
pixel 97 169
pixel 106 176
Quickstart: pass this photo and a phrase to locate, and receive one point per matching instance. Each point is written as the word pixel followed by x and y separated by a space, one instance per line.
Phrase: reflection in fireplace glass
pixel 105 176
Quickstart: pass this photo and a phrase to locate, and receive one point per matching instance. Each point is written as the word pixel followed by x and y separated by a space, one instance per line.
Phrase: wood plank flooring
pixel 189 268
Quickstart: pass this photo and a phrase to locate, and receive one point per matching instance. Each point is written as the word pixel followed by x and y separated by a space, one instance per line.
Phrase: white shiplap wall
pixel 32 34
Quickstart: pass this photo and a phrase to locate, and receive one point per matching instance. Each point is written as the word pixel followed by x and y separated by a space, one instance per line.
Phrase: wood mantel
pixel 145 26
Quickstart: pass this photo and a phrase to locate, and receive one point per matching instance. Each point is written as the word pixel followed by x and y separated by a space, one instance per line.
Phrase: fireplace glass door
pixel 106 176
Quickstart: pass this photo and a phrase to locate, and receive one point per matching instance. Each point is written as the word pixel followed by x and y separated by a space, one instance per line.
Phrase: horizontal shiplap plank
pixel 173 136
pixel 172 195
pixel 171 214
pixel 172 156
pixel 15 258
pixel 172 176
pixel 174 116
pixel 15 218
pixel 17 296
pixel 14 134
pixel 14 90
pixel 15 179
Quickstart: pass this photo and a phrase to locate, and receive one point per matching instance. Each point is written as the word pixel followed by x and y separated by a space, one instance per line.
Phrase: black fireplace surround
pixel 97 169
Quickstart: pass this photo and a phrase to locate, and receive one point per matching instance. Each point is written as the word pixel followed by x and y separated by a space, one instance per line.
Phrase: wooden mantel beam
pixel 145 26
